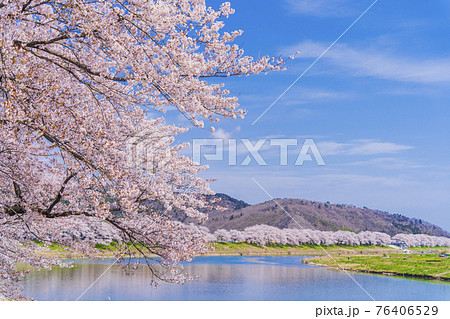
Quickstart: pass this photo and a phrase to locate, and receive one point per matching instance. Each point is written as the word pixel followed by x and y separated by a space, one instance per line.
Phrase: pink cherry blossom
pixel 263 235
pixel 78 80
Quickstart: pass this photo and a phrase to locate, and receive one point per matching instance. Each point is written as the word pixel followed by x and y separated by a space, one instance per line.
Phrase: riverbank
pixel 416 265
pixel 246 249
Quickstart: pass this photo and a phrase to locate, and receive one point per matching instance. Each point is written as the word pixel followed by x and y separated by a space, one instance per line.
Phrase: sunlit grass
pixel 401 264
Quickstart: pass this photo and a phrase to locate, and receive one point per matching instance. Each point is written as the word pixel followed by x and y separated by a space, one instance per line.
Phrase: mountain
pixel 313 215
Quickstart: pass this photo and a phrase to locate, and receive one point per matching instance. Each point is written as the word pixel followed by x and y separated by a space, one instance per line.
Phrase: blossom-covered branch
pixel 79 79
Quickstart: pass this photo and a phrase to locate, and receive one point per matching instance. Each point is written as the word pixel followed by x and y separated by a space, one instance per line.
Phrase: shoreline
pixel 374 272
pixel 245 249
pixel 415 266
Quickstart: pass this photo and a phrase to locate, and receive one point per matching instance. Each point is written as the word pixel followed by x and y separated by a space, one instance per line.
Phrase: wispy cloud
pixel 371 148
pixel 360 147
pixel 378 63
pixel 321 8
pixel 304 95
pixel 386 163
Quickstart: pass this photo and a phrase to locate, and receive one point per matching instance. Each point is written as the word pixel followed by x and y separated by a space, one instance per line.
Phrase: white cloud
pixel 376 63
pixel 304 95
pixel 387 163
pixel 321 8
pixel 221 134
pixel 371 148
pixel 360 147
pixel 332 148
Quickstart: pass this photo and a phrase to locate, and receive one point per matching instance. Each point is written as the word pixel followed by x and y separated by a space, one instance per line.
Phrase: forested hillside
pixel 313 215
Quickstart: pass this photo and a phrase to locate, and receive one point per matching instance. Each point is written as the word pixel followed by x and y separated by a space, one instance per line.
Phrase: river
pixel 228 278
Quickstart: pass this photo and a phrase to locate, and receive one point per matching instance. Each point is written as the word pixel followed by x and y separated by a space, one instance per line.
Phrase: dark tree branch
pixel 17 191
pixel 24 7
pixel 15 210
pixel 59 195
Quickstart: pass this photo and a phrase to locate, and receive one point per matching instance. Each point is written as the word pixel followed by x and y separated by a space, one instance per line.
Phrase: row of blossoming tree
pixel 263 235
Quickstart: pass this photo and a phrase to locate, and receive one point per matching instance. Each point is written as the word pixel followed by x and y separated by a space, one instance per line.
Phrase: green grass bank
pixel 418 265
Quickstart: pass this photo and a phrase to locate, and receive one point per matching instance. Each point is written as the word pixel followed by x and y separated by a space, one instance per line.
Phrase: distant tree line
pixel 264 234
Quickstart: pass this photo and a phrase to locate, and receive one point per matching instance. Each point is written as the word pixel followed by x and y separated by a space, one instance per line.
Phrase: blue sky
pixel 376 105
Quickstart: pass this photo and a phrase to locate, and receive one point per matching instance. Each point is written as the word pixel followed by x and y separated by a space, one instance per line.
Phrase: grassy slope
pixel 428 266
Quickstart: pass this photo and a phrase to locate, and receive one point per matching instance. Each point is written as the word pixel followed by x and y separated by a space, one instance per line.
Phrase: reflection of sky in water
pixel 229 278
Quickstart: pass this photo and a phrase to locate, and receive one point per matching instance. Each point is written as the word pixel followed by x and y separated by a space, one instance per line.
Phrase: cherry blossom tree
pixel 237 236
pixel 78 80
pixel 222 236
pixel 421 240
pixel 264 234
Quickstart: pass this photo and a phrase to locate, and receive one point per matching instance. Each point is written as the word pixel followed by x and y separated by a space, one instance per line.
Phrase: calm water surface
pixel 228 278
